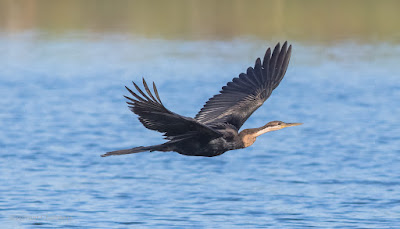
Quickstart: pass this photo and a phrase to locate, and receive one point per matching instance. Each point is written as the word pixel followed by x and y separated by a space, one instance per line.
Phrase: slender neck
pixel 264 129
pixel 248 136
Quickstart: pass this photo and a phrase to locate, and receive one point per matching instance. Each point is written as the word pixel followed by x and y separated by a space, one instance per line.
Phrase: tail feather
pixel 127 151
pixel 136 150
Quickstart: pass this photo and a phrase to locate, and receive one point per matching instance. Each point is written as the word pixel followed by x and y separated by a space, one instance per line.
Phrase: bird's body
pixel 229 140
pixel 215 129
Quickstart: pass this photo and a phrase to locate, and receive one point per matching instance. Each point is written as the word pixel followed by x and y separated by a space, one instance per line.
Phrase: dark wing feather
pixel 154 116
pixel 241 97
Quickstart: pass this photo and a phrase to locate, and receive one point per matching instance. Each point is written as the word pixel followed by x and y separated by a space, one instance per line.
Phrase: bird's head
pixel 274 125
pixel 249 136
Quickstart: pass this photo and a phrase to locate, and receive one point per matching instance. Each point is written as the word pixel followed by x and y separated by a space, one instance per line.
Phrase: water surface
pixel 62 107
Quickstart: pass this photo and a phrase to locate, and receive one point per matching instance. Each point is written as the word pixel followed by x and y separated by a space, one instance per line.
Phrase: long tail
pixel 136 150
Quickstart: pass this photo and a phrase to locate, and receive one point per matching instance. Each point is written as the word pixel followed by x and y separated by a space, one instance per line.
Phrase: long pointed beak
pixel 292 124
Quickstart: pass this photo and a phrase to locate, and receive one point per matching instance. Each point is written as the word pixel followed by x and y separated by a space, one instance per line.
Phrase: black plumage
pixel 215 129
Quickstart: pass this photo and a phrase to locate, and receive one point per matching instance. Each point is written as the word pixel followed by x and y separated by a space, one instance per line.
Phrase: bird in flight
pixel 215 129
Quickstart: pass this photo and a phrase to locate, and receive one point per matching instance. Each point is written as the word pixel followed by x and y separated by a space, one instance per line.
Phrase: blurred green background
pixel 307 21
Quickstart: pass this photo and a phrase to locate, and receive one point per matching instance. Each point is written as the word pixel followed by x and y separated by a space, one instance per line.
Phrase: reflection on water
pixel 62 107
pixel 209 19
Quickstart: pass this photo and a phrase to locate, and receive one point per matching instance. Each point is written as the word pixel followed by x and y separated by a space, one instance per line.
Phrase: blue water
pixel 62 107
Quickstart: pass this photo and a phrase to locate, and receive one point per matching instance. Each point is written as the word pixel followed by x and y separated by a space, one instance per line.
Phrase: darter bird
pixel 215 129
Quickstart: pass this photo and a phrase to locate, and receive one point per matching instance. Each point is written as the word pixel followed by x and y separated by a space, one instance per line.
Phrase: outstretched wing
pixel 154 116
pixel 241 97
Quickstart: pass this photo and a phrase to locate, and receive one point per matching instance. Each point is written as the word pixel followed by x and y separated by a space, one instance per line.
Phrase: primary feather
pixel 244 94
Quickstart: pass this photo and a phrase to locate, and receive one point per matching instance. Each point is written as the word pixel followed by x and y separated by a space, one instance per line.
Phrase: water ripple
pixel 61 110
